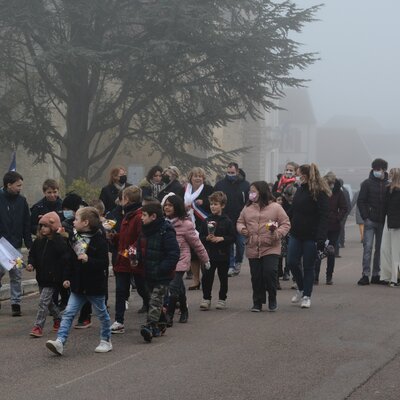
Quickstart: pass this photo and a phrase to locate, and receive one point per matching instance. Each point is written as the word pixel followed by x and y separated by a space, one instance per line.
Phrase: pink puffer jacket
pixel 261 241
pixel 187 238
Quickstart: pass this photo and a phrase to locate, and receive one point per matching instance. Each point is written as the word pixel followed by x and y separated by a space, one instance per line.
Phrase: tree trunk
pixel 78 142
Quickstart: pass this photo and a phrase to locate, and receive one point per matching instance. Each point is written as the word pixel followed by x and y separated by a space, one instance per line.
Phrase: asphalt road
pixel 346 346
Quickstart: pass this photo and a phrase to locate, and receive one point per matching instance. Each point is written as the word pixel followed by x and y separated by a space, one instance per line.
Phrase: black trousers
pixel 264 275
pixel 207 280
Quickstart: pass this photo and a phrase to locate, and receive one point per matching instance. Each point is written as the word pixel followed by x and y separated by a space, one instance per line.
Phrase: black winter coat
pixel 109 194
pixel 371 200
pixel 225 228
pixel 237 193
pixel 49 257
pixel 42 207
pixel 309 218
pixel 337 208
pixel 392 209
pixel 15 221
pixel 207 191
pixel 174 187
pixel 90 278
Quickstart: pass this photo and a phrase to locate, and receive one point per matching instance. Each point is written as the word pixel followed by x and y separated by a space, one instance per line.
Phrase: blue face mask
pixel 68 214
pixel 377 174
pixel 231 177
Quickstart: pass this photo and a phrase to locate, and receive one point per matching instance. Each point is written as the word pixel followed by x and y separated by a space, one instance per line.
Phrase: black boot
pixel 184 310
pixel 171 311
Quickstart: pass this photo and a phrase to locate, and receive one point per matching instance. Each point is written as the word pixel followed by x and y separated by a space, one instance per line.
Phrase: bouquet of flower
pixel 19 263
pixel 132 255
pixel 109 224
pixel 80 243
pixel 271 226
pixel 211 226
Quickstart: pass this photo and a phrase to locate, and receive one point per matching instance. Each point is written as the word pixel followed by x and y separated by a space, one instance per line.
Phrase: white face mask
pixel 298 180
pixel 288 173
pixel 377 174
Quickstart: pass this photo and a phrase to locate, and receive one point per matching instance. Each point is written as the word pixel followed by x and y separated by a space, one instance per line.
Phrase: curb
pixel 28 286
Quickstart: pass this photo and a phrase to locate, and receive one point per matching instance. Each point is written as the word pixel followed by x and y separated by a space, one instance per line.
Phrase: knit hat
pixel 51 220
pixel 72 201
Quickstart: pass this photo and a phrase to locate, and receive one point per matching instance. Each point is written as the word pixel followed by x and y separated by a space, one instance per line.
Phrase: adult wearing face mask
pixel 236 189
pixel 337 212
pixel 171 177
pixel 14 227
pixel 116 183
pixel 371 203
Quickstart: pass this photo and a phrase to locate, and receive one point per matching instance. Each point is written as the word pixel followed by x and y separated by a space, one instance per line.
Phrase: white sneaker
pixel 238 267
pixel 205 305
pixel 103 347
pixel 231 272
pixel 221 305
pixel 297 297
pixel 305 302
pixel 55 346
pixel 116 327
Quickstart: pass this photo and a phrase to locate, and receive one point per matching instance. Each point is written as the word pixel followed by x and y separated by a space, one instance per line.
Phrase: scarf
pixel 190 198
pixel 284 182
pixel 156 188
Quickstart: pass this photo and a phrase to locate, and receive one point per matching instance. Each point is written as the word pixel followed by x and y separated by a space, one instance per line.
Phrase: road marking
pixel 96 371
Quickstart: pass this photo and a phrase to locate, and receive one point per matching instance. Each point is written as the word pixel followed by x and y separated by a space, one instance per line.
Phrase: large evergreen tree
pixel 90 75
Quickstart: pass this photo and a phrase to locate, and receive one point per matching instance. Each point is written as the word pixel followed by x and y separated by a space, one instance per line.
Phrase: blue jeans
pixel 308 250
pixel 15 284
pixel 237 251
pixel 372 229
pixel 75 302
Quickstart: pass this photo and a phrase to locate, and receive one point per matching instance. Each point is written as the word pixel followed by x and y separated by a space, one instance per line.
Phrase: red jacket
pixel 131 226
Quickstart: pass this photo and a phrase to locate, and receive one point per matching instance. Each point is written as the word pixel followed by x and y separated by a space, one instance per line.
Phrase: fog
pixel 359 71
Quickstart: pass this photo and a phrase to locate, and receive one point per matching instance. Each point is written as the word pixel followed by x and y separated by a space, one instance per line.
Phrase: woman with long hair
pixel 390 248
pixel 263 223
pixel 309 219
pixel 337 211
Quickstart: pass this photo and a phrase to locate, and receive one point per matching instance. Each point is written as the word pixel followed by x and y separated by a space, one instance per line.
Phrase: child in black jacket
pixel 86 277
pixel 48 255
pixel 217 234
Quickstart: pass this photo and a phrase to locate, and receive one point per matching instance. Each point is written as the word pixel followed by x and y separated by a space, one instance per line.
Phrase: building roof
pixel 342 148
pixel 297 108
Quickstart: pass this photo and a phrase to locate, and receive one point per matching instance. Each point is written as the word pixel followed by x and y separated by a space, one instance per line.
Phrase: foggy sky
pixel 358 42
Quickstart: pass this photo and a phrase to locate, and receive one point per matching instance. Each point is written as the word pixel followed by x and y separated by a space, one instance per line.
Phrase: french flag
pixel 13 164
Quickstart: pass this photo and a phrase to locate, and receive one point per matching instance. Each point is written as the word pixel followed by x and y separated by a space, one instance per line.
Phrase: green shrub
pixel 86 190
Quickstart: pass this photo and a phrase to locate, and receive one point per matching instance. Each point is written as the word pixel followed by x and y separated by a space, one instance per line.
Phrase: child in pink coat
pixel 187 236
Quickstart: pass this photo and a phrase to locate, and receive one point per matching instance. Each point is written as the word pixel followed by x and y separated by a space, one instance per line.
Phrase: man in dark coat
pixel 15 227
pixel 236 188
pixel 371 203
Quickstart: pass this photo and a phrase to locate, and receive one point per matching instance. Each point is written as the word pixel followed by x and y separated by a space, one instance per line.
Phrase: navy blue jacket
pixel 158 250
pixel 15 222
pixel 372 197
pixel 237 193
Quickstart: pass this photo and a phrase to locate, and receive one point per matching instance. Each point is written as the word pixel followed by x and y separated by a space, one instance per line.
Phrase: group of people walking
pixel 164 227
